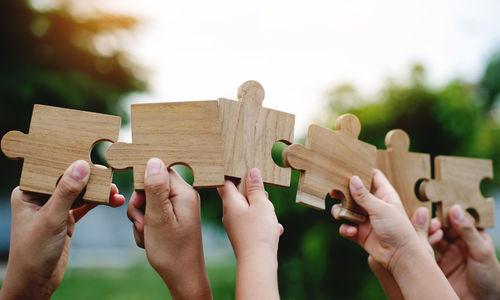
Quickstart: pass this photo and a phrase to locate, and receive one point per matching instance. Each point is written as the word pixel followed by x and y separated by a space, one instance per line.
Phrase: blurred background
pixel 430 68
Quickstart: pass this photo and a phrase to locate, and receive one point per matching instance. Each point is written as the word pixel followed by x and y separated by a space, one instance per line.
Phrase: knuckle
pixel 68 186
pixel 157 186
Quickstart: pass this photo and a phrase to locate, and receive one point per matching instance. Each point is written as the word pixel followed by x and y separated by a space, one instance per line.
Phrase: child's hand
pixel 254 232
pixel 390 239
pixel 468 258
pixel 389 233
pixel 41 235
pixel 166 222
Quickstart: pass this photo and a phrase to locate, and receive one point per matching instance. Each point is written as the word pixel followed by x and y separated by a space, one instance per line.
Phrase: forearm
pixel 387 281
pixel 16 287
pixel 419 277
pixel 257 276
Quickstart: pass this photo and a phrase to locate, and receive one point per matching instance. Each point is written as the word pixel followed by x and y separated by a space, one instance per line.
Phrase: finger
pixel 157 192
pixel 184 197
pixel 336 208
pixel 81 211
pixel 464 226
pixel 349 232
pixel 436 237
pixel 116 200
pixel 255 187
pixel 113 190
pixel 139 237
pixel 138 200
pixel 435 225
pixel 231 197
pixel 282 229
pixel 363 197
pixel 67 190
pixel 136 216
pixel 442 246
pixel 381 185
pixel 420 221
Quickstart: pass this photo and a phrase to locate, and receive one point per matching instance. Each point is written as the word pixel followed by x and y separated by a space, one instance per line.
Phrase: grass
pixel 141 282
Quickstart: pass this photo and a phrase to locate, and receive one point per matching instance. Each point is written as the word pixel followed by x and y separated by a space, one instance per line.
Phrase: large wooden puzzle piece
pixel 457 181
pixel 57 137
pixel 404 169
pixel 249 132
pixel 186 133
pixel 328 161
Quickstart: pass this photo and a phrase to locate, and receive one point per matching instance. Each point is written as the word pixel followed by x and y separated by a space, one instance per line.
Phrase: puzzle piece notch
pixel 404 169
pixel 328 161
pixel 457 181
pixel 249 132
pixel 55 140
pixel 186 133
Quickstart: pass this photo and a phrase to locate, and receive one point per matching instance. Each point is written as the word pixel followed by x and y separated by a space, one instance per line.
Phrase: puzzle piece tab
pixel 57 137
pixel 404 169
pixel 249 132
pixel 457 181
pixel 328 161
pixel 185 133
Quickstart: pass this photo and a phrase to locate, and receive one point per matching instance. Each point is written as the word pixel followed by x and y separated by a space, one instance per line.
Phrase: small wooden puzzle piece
pixel 185 133
pixel 328 161
pixel 249 132
pixel 404 169
pixel 457 181
pixel 57 137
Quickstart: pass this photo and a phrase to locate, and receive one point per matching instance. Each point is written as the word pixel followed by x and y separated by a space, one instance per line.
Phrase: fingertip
pixel 335 211
pixel 348 231
pixel 116 200
pixel 436 237
pixel 435 225
pixel 282 229
pixel 420 218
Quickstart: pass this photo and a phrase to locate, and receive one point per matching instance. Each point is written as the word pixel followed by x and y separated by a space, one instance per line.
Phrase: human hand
pixel 167 224
pixel 427 234
pixel 41 234
pixel 254 231
pixel 467 258
pixel 391 241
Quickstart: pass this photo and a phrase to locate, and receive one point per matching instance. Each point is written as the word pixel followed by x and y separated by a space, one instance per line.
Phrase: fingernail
pixel 255 174
pixel 422 216
pixel 80 170
pixel 350 231
pixel 457 214
pixel 356 182
pixel 153 167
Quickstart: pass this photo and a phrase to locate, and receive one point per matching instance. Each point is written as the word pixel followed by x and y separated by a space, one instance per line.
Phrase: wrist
pixel 20 287
pixel 258 253
pixel 190 283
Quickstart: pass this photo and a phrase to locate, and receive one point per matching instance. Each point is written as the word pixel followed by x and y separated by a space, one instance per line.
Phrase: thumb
pixel 69 187
pixel 464 226
pixel 363 197
pixel 157 191
pixel 255 187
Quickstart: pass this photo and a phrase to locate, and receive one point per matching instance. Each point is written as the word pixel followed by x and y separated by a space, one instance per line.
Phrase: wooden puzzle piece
pixel 328 161
pixel 249 132
pixel 57 137
pixel 404 169
pixel 185 133
pixel 457 181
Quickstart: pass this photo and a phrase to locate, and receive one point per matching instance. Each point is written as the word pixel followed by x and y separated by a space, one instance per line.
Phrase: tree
pixel 62 58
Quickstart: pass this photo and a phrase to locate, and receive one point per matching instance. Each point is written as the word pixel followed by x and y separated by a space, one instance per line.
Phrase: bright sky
pixel 298 50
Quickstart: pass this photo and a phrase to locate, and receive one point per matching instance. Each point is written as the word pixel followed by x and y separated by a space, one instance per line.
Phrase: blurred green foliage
pixel 62 58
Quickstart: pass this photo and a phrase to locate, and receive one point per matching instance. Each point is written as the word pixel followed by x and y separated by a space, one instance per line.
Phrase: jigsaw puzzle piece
pixel 249 132
pixel 404 169
pixel 186 133
pixel 57 137
pixel 457 181
pixel 328 161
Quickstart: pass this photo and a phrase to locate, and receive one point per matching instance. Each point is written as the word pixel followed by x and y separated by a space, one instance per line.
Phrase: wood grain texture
pixel 404 169
pixel 57 137
pixel 328 161
pixel 457 181
pixel 249 132
pixel 186 133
